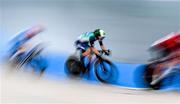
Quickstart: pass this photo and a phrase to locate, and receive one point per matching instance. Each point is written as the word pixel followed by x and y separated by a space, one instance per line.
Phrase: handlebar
pixel 107 53
pixel 101 52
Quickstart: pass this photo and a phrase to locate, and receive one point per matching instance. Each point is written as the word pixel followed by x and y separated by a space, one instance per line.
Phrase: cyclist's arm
pixel 93 49
pixel 102 45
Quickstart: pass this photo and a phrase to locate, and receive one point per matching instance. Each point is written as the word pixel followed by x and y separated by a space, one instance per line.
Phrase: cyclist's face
pixel 100 38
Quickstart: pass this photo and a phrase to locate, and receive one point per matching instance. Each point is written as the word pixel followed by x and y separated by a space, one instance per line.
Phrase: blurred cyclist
pixel 19 49
pixel 86 42
pixel 19 42
pixel 167 52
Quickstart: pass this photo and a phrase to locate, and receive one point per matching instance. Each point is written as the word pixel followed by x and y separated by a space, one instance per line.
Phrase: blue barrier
pixel 129 75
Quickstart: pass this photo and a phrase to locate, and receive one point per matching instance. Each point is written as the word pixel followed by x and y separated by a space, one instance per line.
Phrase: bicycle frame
pixel 90 61
pixel 166 73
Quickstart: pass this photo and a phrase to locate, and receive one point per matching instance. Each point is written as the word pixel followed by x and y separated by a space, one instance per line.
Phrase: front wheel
pixel 105 71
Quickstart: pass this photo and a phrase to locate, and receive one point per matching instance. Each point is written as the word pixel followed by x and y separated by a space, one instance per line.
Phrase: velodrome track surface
pixel 24 88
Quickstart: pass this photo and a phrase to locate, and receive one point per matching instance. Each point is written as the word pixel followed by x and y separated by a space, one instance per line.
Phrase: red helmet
pixel 164 46
pixel 171 41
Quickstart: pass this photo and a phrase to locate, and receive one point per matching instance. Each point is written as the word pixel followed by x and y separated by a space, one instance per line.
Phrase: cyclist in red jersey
pixel 167 52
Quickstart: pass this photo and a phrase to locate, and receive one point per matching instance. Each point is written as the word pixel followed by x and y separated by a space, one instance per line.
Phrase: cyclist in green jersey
pixel 85 43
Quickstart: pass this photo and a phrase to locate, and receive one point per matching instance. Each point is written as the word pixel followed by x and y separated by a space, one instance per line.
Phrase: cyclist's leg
pixel 164 68
pixel 84 50
pixel 88 54
pixel 83 55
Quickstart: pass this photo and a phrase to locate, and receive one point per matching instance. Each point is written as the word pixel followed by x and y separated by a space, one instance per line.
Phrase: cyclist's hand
pixel 107 52
pixel 100 53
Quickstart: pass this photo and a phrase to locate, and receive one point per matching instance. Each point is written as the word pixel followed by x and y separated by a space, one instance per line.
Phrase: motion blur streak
pixel 131 26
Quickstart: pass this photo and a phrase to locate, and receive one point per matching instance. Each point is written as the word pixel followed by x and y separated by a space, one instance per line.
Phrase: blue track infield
pixel 129 75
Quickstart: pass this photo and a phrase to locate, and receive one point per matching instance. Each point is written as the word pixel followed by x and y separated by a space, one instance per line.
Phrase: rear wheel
pixel 74 67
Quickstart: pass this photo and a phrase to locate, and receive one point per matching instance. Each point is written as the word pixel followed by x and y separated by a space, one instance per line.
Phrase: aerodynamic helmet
pixel 99 32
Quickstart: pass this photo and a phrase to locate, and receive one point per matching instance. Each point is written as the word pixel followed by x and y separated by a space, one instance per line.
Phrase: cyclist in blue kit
pixel 19 42
pixel 86 41
pixel 19 50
